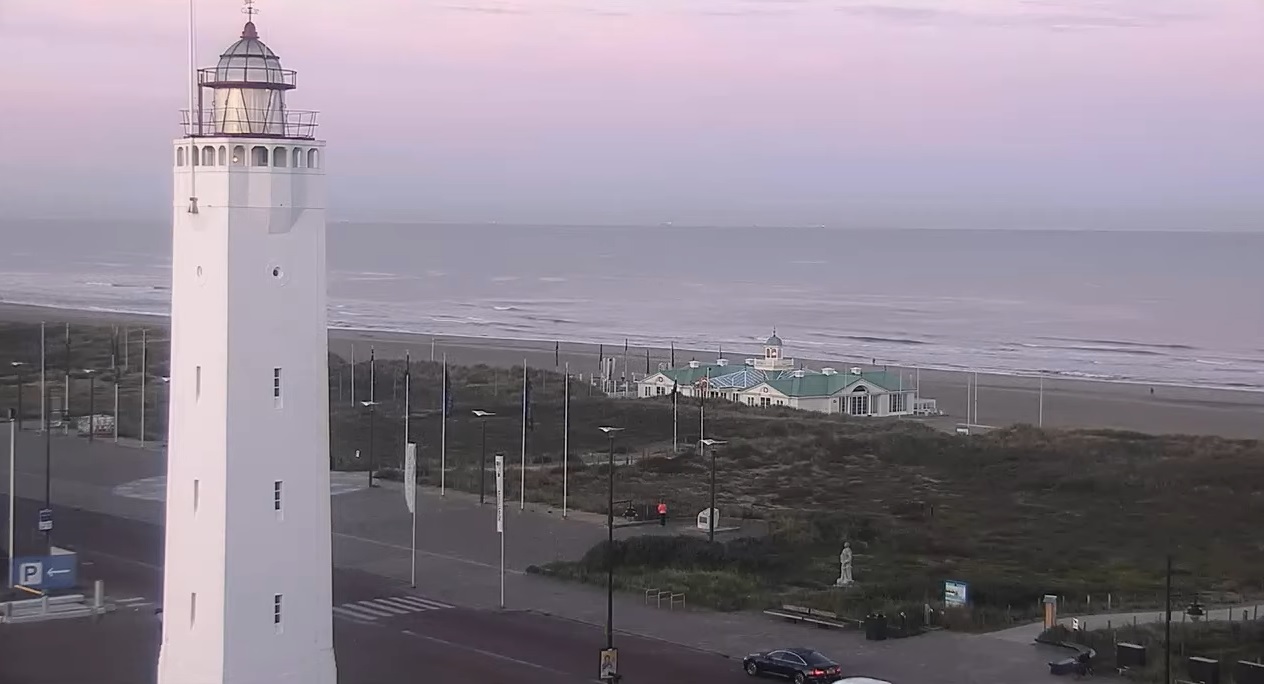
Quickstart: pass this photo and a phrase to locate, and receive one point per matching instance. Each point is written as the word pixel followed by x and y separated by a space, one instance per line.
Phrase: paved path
pixel 458 564
pixel 1028 633
pixel 383 631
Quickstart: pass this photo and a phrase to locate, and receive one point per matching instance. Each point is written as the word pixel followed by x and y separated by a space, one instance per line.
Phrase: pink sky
pixel 800 111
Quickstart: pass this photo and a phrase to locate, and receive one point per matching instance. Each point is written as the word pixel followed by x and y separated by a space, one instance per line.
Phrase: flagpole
pixel 372 375
pixel 976 397
pixel 675 417
pixel 522 470
pixel 43 379
pixel 144 369
pixel 353 374
pixel 1041 418
pixel 65 402
pixel 625 367
pixel 443 439
pixel 566 433
pixel 408 365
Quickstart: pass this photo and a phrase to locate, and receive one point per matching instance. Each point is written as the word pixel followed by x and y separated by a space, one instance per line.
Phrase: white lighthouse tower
pixel 248 587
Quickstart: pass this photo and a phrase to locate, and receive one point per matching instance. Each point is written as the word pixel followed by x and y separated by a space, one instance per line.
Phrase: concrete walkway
pixel 1028 633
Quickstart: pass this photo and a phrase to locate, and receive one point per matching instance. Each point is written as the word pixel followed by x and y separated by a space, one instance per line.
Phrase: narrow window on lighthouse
pixel 276 611
pixel 196 493
pixel 276 496
pixel 192 609
pixel 197 383
pixel 276 387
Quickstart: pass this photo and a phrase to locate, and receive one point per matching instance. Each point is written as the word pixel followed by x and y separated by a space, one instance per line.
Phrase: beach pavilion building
pixel 774 380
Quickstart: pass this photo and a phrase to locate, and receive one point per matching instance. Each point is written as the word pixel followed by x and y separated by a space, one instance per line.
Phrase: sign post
pixel 410 497
pixel 609 669
pixel 46 520
pixel 500 519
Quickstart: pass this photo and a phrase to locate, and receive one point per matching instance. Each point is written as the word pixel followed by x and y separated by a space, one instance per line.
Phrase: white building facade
pixel 773 380
pixel 247 577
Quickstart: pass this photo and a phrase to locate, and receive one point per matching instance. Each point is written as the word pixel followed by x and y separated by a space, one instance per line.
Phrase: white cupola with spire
pixel 774 355
pixel 247 595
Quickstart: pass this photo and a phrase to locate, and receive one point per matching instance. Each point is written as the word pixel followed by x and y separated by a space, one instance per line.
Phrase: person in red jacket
pixel 662 513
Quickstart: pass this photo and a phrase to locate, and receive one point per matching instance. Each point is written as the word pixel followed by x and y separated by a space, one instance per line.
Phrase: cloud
pixel 1045 14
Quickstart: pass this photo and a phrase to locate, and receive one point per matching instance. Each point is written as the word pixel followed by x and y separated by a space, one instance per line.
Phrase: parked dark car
pixel 800 665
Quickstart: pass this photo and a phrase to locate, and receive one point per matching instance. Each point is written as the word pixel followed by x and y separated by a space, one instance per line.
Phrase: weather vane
pixel 250 10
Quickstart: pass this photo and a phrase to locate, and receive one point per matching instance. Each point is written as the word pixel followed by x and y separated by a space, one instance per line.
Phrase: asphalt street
pixel 108 504
pixel 383 631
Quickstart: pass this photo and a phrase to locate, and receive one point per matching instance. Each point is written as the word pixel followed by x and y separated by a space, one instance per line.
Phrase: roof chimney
pixel 694 364
pixel 722 362
pixel 828 371
pixel 855 370
pixel 799 373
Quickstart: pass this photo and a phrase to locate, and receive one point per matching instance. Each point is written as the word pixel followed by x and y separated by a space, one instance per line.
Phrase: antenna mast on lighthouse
pixel 195 112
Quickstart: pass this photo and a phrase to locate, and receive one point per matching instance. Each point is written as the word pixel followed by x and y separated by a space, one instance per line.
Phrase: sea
pixel 1183 308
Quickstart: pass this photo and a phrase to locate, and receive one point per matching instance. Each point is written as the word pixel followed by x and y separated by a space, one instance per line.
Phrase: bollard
pixel 98 595
pixel 1108 601
pixel 44 604
pixel 1244 614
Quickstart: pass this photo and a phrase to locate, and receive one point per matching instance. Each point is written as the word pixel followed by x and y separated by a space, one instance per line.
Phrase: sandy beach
pixel 1002 400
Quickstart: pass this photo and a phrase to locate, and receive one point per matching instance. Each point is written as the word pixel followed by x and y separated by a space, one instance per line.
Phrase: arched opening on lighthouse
pixel 298 158
pixel 313 158
pixel 223 156
pixel 280 157
pixel 259 156
pixel 179 156
pixel 239 156
pixel 208 156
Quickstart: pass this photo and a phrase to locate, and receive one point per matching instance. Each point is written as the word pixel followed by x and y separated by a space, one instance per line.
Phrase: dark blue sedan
pixel 800 665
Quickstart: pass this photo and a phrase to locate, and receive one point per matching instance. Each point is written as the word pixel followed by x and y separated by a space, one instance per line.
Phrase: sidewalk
pixel 1028 633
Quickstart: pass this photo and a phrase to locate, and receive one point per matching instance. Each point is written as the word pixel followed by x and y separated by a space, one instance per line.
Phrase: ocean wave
pixel 1120 343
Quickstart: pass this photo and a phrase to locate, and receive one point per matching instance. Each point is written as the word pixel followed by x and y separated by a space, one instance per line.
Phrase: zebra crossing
pixel 386 607
pixel 155 488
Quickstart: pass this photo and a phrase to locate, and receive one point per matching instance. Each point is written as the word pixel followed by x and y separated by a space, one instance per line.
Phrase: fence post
pixel 1108 601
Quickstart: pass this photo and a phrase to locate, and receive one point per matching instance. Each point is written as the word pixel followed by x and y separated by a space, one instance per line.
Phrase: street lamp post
pixel 713 443
pixel 92 411
pixel 371 405
pixel 610 432
pixel 17 367
pixel 482 458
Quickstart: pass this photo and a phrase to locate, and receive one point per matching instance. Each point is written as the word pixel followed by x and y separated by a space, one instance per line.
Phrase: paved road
pixel 383 630
pixel 458 564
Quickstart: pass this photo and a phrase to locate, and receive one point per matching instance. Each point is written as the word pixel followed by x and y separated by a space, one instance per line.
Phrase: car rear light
pixel 818 673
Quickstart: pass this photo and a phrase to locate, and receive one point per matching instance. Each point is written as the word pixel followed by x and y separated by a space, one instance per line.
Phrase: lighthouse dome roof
pixel 249 60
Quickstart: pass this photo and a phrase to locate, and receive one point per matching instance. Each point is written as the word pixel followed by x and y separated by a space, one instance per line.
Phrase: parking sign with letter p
pixel 31 574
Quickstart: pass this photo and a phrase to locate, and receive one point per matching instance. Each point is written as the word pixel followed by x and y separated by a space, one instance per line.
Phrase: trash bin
pixel 871 627
pixel 880 627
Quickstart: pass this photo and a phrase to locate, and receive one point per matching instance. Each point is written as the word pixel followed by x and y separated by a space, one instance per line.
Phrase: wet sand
pixel 1002 400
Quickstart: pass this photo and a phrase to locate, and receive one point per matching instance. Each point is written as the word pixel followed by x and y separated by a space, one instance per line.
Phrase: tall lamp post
pixel 92 411
pixel 371 405
pixel 712 443
pixel 482 458
pixel 17 367
pixel 610 432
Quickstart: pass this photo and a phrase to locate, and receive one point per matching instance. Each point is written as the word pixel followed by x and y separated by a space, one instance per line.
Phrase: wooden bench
pixel 821 618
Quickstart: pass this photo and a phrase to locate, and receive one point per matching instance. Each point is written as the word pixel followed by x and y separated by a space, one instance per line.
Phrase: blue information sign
pixel 58 571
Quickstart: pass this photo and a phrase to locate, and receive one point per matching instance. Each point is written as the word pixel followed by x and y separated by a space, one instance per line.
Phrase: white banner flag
pixel 500 492
pixel 410 476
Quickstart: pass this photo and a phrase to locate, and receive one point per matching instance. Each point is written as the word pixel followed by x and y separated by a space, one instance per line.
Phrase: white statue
pixel 844 560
